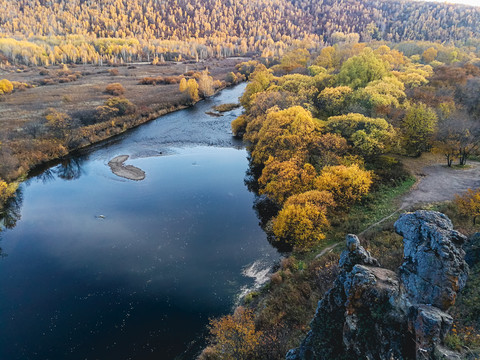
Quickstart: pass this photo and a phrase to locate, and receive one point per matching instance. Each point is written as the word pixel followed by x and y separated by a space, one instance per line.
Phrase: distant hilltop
pixel 232 21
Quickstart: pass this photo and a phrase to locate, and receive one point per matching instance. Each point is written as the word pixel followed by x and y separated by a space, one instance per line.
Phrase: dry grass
pixel 79 98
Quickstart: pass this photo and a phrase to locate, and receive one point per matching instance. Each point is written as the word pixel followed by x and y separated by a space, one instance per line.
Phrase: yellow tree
pixel 282 179
pixel 303 220
pixel 235 336
pixel 468 204
pixel 183 85
pixel 205 85
pixel 284 134
pixel 347 184
pixel 429 55
pixel 192 89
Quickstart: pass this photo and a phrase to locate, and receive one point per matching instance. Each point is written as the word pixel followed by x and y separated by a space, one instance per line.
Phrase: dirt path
pixel 436 183
pixel 440 183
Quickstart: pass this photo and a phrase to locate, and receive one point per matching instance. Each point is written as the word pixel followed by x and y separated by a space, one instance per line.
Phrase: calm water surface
pixel 101 267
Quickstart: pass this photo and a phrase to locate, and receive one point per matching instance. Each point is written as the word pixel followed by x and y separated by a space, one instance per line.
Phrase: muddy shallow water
pixel 102 267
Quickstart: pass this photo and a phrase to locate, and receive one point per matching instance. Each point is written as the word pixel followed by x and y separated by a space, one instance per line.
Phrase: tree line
pixel 40 32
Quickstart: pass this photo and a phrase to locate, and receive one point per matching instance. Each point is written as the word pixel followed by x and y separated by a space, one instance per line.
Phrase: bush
pixel 115 89
pixel 6 87
pixel 124 106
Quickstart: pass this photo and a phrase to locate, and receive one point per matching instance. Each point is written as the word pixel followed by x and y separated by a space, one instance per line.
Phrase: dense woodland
pixel 45 32
pixel 327 133
pixel 341 92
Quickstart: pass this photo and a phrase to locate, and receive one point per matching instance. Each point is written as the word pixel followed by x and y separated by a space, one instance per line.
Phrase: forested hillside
pixel 82 30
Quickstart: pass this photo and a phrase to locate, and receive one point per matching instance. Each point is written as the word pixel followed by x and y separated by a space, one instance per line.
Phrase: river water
pixel 102 267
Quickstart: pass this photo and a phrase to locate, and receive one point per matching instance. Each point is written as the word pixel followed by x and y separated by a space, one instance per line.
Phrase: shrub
pixel 239 126
pixel 115 89
pixel 6 87
pixel 152 80
pixel 231 78
pixel 6 191
pixel 235 336
pixel 124 106
pixel 113 72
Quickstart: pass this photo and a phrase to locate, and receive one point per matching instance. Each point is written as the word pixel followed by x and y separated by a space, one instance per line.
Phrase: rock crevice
pixel 374 313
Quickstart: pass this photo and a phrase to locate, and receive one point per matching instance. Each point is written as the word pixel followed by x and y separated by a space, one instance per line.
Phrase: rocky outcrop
pixel 375 313
pixel 434 268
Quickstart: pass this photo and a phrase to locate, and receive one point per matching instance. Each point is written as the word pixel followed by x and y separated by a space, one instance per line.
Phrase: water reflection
pixel 71 168
pixel 141 283
pixel 11 212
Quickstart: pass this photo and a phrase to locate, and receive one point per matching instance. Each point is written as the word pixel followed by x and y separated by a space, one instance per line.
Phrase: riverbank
pixel 47 122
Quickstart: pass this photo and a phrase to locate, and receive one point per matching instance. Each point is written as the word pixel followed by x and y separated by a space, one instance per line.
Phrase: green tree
pixel 334 100
pixel 418 128
pixel 368 136
pixel 380 94
pixel 361 69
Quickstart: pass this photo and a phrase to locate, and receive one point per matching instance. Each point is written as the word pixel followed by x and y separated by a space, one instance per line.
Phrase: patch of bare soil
pixel 440 183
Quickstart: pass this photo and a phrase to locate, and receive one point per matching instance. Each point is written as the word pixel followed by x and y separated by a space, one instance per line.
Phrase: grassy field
pixel 78 91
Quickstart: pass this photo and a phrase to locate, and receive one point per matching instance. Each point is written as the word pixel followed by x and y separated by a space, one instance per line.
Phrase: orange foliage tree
pixel 234 336
pixel 282 179
pixel 468 204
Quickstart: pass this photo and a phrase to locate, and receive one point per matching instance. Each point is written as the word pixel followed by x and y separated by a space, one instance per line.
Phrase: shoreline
pixel 103 136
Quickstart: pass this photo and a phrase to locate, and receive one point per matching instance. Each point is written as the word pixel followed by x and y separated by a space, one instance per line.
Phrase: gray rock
pixel 472 250
pixel 355 254
pixel 434 269
pixel 373 313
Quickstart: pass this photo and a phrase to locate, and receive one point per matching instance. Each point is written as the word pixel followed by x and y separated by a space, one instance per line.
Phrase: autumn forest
pixel 346 107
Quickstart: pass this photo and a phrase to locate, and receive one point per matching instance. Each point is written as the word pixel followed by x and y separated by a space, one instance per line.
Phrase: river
pixel 101 267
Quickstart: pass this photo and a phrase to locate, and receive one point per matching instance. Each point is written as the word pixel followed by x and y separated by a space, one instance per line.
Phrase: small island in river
pixel 126 171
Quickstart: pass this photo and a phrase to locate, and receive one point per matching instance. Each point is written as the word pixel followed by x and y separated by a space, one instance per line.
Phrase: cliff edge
pixel 375 313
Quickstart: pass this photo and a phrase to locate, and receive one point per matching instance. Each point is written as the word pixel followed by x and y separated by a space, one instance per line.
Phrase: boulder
pixel 375 313
pixel 434 269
